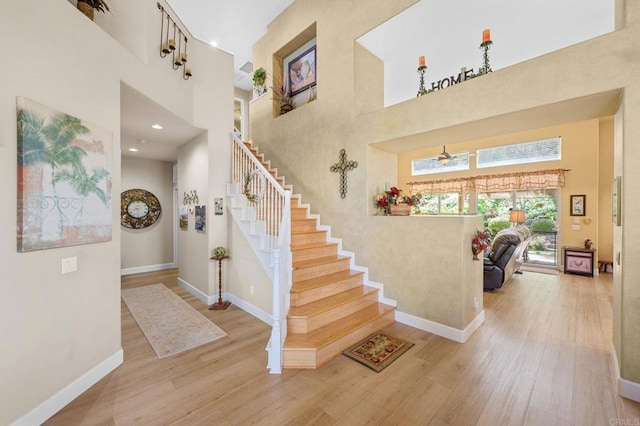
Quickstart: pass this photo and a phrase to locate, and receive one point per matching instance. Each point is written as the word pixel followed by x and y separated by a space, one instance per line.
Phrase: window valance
pixel 539 179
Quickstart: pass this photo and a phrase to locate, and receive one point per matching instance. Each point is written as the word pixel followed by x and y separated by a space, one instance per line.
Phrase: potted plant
pixel 259 80
pixel 283 98
pixel 89 6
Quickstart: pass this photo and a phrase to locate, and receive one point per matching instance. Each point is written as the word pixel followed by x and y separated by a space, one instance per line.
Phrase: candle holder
pixel 486 67
pixel 421 89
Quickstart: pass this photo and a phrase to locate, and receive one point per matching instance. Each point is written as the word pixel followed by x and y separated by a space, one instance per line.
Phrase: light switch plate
pixel 69 264
pixel 575 227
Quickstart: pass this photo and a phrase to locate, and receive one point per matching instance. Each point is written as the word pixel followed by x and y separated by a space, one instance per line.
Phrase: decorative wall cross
pixel 343 167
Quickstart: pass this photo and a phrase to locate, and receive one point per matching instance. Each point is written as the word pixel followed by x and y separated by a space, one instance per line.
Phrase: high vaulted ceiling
pixel 234 26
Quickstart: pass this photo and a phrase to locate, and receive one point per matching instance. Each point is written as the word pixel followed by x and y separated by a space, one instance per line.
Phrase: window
pixel 541 211
pixel 443 204
pixel 426 166
pixel 521 153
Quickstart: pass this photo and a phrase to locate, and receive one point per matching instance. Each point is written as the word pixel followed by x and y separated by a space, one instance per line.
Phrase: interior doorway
pixel 239 118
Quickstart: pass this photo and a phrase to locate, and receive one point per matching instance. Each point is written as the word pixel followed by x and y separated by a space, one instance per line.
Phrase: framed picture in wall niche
pixel 302 71
pixel 578 205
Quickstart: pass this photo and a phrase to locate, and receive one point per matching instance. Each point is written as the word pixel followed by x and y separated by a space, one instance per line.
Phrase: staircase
pixel 329 306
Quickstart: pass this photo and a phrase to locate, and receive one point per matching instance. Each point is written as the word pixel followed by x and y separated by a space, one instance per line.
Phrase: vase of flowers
pixel 479 243
pixel 394 202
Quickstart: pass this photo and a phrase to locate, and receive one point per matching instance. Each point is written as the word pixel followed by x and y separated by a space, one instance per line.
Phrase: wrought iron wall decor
pixel 342 167
pixel 170 34
pixel 190 198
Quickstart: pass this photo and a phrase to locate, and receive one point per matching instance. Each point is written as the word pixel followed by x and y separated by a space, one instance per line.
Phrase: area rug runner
pixel 169 323
pixel 378 350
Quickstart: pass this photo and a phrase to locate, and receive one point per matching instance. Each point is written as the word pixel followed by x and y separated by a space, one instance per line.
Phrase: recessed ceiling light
pixel 133 149
pixel 157 126
pixel 214 44
pixel 142 141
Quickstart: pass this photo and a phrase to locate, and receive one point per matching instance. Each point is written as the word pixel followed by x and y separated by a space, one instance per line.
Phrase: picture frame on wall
pixel 578 205
pixel 64 179
pixel 616 201
pixel 301 71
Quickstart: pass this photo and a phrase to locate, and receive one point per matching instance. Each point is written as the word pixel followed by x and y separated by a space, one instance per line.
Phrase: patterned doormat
pixel 378 350
pixel 169 323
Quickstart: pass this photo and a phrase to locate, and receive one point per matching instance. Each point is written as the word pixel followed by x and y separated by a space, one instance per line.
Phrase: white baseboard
pixel 626 388
pixel 204 298
pixel 240 303
pixel 249 308
pixel 149 268
pixel 441 330
pixel 70 392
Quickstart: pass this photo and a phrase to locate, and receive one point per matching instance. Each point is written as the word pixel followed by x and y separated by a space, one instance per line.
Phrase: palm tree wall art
pixel 64 179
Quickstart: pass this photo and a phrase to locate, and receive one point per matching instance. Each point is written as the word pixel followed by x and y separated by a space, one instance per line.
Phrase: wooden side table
pixel 219 305
pixel 578 260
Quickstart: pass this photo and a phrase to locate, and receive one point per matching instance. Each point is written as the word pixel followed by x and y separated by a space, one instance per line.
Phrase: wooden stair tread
pixel 311 246
pixel 323 280
pixel 317 231
pixel 323 305
pixel 337 329
pixel 319 261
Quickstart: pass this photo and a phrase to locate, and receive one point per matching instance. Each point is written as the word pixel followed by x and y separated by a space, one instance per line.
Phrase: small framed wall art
pixel 578 205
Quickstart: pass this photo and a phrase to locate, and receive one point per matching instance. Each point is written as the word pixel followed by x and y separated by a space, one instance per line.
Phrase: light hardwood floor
pixel 541 358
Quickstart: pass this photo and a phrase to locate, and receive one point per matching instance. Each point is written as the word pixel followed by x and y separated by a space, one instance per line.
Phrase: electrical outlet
pixel 475 303
pixel 251 290
pixel 69 264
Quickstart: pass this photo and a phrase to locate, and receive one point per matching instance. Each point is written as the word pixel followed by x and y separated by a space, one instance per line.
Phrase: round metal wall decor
pixel 138 208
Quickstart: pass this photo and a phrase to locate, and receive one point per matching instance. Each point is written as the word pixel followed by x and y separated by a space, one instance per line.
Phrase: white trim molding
pixel 441 330
pixel 149 268
pixel 249 308
pixel 626 388
pixel 204 298
pixel 240 303
pixel 70 392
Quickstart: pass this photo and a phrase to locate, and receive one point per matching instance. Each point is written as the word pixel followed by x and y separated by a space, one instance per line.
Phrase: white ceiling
pixel 138 114
pixel 233 25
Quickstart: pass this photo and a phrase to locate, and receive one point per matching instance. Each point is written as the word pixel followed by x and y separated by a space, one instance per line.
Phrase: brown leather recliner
pixel 506 256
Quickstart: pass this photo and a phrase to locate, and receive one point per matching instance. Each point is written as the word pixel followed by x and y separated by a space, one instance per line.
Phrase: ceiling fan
pixel 445 157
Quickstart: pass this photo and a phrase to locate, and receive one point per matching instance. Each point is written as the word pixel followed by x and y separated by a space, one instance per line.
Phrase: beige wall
pixel 193 252
pixel 244 276
pixel 152 246
pixel 63 326
pixel 305 142
pixel 430 271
